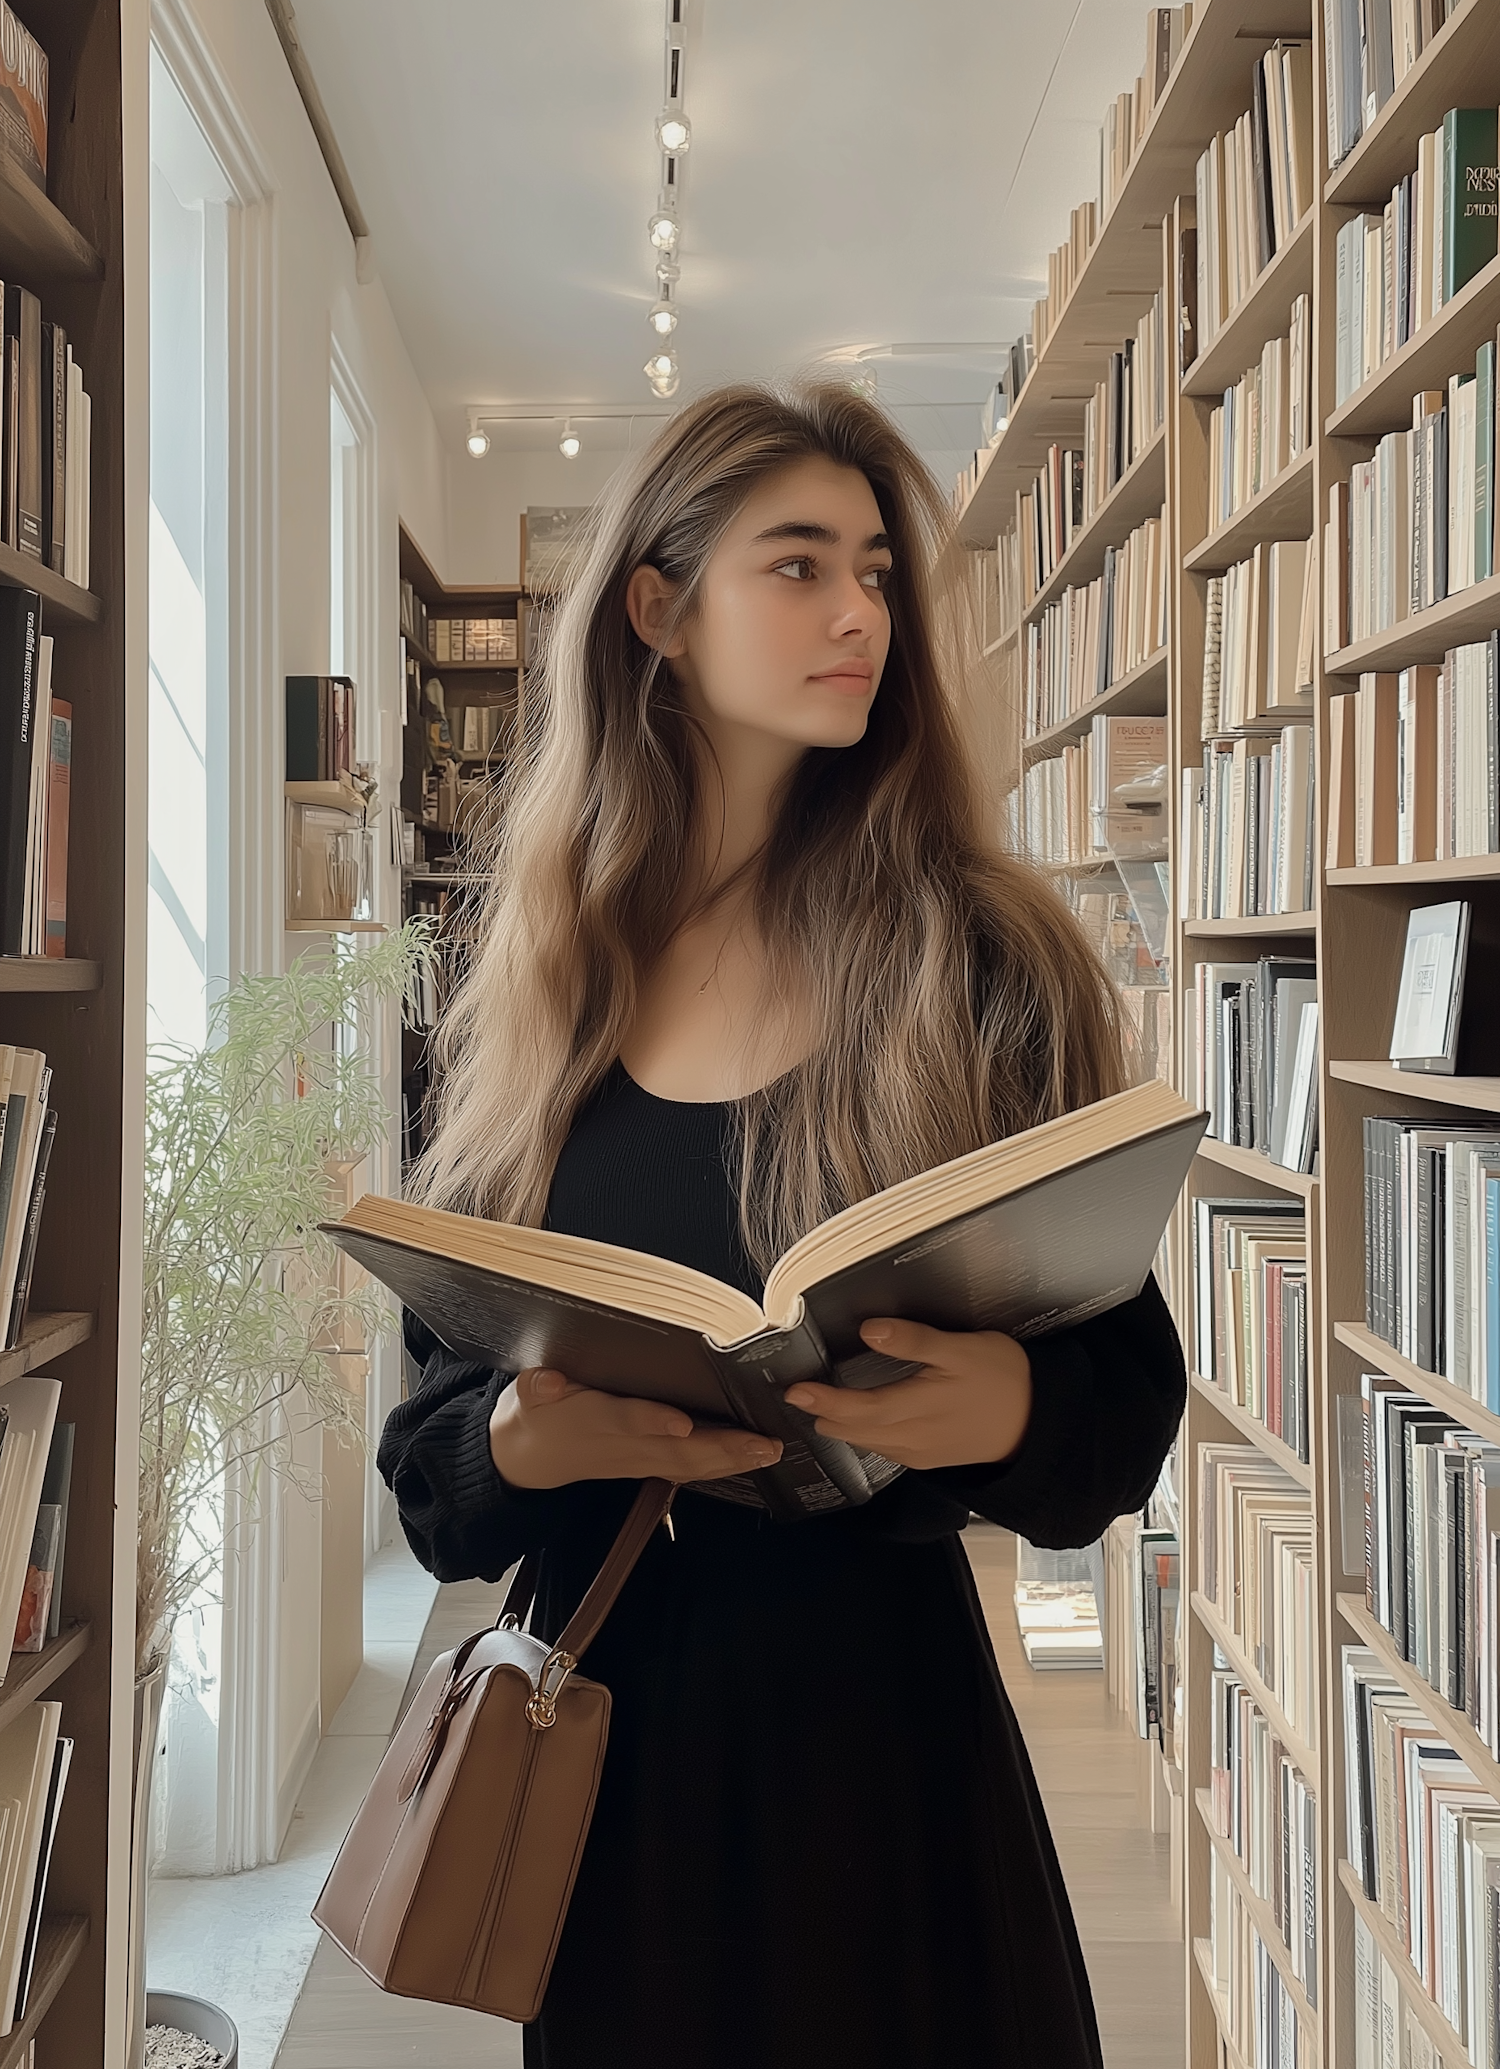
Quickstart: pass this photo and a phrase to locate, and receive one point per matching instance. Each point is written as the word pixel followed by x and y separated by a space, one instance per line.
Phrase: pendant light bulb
pixel 479 442
pixel 673 132
pixel 663 318
pixel 662 230
pixel 570 444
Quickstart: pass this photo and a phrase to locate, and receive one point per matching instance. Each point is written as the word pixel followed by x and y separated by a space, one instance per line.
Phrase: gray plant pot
pixel 197 2016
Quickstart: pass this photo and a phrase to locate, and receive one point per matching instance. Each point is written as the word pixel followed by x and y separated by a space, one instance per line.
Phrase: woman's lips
pixel 851 681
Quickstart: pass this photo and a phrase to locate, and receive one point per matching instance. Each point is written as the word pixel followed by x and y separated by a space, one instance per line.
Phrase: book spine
pixel 304 732
pixel 1469 195
pixel 814 1474
pixel 20 623
pixel 59 789
pixel 29 428
pixel 17 1321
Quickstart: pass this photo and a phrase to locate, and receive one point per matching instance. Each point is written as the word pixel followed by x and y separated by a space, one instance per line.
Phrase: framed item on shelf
pixel 1429 1001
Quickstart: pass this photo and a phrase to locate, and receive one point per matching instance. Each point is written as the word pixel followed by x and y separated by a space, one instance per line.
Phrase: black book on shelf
pixel 23 324
pixel 27 1259
pixel 54 443
pixel 61 1761
pixel 20 634
pixel 57 1487
pixel 1260 171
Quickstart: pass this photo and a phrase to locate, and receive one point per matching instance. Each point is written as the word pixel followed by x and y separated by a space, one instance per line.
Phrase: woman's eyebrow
pixel 818 535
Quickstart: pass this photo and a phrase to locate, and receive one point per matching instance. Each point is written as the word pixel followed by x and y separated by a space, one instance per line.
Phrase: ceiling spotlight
pixel 661 371
pixel 673 132
pixel 663 318
pixel 668 272
pixel 479 442
pixel 570 444
pixel 662 230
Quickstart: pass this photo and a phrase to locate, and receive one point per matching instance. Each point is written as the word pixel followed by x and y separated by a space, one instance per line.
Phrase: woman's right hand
pixel 547 1431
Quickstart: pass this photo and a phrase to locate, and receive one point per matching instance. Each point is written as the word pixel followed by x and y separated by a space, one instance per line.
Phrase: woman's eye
pixel 876 578
pixel 800 569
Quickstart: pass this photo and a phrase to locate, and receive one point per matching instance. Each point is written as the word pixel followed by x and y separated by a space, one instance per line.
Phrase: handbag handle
pixel 651 1505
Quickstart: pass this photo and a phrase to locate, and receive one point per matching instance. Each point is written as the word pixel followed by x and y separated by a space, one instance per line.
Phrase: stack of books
pixel 1432 1248
pixel 1261 2015
pixel 1264 422
pixel 997 589
pixel 1371 46
pixel 36 753
pixel 480 727
pixel 1143 1595
pixel 1073 806
pixel 27 1128
pixel 1266 1811
pixel 1259 629
pixel 34 1761
pixel 1096 633
pixel 1396 270
pixel 1410 763
pixel 1128 116
pixel 1247 827
pixel 414 620
pixel 1254 184
pixel 1424 1838
pixel 1256 1562
pixel 1250 1309
pixel 320 728
pixel 1385 2025
pixel 1254 1038
pixel 475 639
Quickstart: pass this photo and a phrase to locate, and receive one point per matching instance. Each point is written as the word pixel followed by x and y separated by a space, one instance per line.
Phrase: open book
pixel 1029 1235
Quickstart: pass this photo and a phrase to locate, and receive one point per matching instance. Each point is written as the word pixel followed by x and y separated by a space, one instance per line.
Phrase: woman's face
pixel 792 627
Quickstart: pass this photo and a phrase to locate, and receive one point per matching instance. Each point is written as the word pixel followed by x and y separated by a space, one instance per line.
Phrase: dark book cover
pixel 1187 283
pixel 307 756
pixel 23 98
pixel 57 1487
pixel 54 443
pixel 1469 194
pixel 23 324
pixel 1071 1245
pixel 27 1258
pixel 20 632
pixel 61 1760
pixel 1260 171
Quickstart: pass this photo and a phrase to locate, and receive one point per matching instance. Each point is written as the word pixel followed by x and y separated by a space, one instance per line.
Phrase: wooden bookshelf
pixel 1233 1649
pixel 1203 1958
pixel 1138 494
pixel 1440 1713
pixel 1413 1989
pixel 1477 1095
pixel 1255 1165
pixel 1461 869
pixel 86 1011
pixel 1376 1355
pixel 1264 313
pixel 1468 615
pixel 1460 68
pixel 1252 926
pixel 1443 344
pixel 1142 692
pixel 1252 1431
pixel 1282 510
pixel 1263 1918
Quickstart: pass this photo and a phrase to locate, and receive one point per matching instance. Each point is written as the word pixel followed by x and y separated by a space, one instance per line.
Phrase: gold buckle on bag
pixel 541 1709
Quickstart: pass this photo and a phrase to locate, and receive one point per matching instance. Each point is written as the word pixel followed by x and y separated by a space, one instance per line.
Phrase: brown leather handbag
pixel 454 1879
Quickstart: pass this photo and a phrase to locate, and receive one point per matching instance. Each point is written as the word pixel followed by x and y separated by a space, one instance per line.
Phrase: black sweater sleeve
pixel 1106 1401
pixel 463 1521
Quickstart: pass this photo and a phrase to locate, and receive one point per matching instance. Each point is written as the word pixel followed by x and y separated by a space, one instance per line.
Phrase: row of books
pixel 1258 639
pixel 36 755
pixel 1254 184
pixel 34 1760
pixel 1097 632
pixel 1432 1540
pixel 1266 1811
pixel 1395 271
pixel 477 729
pixel 1254 1035
pixel 45 438
pixel 1114 932
pixel 1264 422
pixel 997 587
pixel 1064 264
pixel 1424 1838
pixel 1146 1011
pixel 1416 522
pixel 1261 2015
pixel 1103 794
pixel 1432 1248
pixel 320 728
pixel 1246 833
pixel 1250 1309
pixel 1369 47
pixel 1411 763
pixel 1143 1606
pixel 1385 2023
pixel 28 1126
pixel 1124 414
pixel 1256 1562
pixel 475 639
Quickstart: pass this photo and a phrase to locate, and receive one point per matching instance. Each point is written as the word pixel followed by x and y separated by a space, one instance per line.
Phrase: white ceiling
pixel 862 173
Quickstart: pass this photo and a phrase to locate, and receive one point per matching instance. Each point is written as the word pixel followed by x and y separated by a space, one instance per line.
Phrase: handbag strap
pixel 652 1503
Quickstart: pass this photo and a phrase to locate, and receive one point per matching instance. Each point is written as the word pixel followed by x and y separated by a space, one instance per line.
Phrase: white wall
pixel 316 299
pixel 486 498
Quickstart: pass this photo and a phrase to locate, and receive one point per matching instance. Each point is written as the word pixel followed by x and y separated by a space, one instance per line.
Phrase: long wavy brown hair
pixel 952 999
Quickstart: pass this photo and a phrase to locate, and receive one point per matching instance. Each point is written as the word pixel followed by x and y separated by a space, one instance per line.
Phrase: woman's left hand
pixel 969 1405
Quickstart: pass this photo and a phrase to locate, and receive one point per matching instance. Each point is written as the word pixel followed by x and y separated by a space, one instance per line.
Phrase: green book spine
pixel 305 733
pixel 1484 461
pixel 1469 195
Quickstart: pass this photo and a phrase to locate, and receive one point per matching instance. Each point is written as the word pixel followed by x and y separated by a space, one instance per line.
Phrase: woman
pixel 747 959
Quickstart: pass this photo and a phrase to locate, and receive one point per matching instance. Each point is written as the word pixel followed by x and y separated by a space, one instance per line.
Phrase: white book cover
pixel 1430 997
pixel 27 1748
pixel 32 1401
pixel 1294 1147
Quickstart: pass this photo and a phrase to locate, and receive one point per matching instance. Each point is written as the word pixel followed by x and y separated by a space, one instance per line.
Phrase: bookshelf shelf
pixel 1301 1753
pixel 475 667
pixel 1459 68
pixel 1481 1095
pixel 59 1943
pixel 1444 345
pixel 1453 1724
pixel 1137 495
pixel 1265 313
pixel 1262 1917
pixel 1254 1164
pixel 1203 1955
pixel 1141 693
pixel 997 645
pixel 335 926
pixel 1282 510
pixel 1462 869
pixel 31 1674
pixel 1254 1432
pixel 1376 1355
pixel 60 599
pixel 36 239
pixel 1471 614
pixel 44 1338
pixel 1413 1989
pixel 48 973
pixel 1252 926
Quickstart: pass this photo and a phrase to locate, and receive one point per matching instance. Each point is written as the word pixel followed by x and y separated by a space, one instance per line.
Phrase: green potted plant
pixel 242 1299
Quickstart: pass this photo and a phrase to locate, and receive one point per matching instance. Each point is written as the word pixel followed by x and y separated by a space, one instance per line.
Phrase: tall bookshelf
pixel 86 1013
pixel 1354 929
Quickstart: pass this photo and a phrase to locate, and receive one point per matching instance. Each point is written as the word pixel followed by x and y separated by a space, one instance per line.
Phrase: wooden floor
pixel 1093 1775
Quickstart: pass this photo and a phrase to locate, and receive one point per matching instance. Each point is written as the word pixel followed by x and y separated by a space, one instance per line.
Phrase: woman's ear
pixel 648 600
